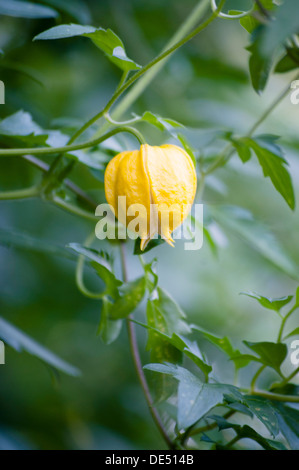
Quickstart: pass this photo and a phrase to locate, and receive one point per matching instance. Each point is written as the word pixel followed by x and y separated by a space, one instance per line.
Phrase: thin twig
pixel 137 362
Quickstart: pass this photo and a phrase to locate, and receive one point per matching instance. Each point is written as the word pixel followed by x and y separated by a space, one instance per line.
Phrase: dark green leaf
pixel 243 150
pixel 106 40
pixel 289 61
pixel 273 165
pixel 270 354
pixel 151 244
pixel 288 420
pixel 263 410
pixel 21 342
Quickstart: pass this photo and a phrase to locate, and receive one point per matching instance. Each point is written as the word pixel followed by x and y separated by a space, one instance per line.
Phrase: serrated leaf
pixel 271 304
pixel 247 432
pixel 106 40
pixel 22 342
pixel 223 344
pixel 26 9
pixel 270 354
pixel 195 398
pixel 288 420
pixel 273 164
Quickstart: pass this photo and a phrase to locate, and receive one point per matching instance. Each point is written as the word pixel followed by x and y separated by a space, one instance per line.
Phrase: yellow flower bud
pixel 161 180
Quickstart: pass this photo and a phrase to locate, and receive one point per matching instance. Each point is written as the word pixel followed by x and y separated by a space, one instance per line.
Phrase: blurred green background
pixel 205 85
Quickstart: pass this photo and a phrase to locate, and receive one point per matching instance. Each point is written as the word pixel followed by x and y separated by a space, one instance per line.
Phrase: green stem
pixel 284 320
pixel 228 150
pixel 276 396
pixel 152 63
pixel 209 427
pixel 190 22
pixel 80 270
pixel 137 361
pixel 67 206
pixel 255 377
pixel 287 379
pixel 69 148
pixel 269 110
pixel 20 193
pixel 81 195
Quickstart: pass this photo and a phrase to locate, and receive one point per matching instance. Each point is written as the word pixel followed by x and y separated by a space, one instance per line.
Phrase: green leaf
pixel 151 244
pixel 285 25
pixel 195 398
pixel 270 354
pixel 268 39
pixel 273 164
pixel 21 342
pixel 166 308
pixel 251 21
pixel 259 66
pixel 295 332
pixel 106 40
pixel 247 432
pixel 187 146
pixel 272 304
pixel 103 268
pixel 179 342
pixel 223 344
pixel 108 330
pixel 288 420
pixel 243 224
pixel 242 149
pixel 289 61
pixel 263 410
pixel 26 9
pixel 164 124
pixel 132 294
